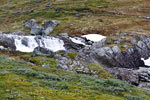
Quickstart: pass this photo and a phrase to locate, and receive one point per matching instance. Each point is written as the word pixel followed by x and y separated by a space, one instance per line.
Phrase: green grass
pixel 19 80
pixel 101 72
pixel 18 11
pixel 72 55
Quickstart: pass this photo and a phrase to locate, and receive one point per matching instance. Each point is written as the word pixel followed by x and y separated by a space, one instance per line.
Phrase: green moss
pixel 44 60
pixel 46 14
pixel 72 55
pixel 101 72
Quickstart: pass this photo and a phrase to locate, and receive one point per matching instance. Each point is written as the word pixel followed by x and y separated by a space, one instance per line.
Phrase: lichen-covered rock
pixel 37 29
pixel 49 26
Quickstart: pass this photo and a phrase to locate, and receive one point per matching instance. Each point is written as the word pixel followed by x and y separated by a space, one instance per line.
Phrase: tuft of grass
pixel 72 55
pixel 46 14
pixel 101 72
pixel 44 60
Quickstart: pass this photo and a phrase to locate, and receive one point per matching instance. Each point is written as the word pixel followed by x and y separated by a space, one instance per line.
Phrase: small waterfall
pixel 28 43
pixel 147 61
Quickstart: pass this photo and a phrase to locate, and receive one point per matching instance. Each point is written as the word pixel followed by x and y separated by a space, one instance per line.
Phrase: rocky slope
pixel 75 65
pixel 59 52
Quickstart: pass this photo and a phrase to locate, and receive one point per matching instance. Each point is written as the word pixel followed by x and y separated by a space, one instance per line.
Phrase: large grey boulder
pixel 8 42
pixel 49 26
pixel 40 51
pixel 128 75
pixel 126 55
pixel 112 56
pixel 139 77
pixel 37 29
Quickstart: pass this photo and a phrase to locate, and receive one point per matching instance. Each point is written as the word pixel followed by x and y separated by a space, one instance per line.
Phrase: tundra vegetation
pixel 22 77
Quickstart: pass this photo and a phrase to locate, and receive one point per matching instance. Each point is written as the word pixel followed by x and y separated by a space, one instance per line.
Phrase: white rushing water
pixel 28 43
pixel 77 41
pixel 147 61
pixel 94 37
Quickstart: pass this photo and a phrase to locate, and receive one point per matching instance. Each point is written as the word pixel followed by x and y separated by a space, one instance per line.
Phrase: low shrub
pixel 101 72
pixel 72 55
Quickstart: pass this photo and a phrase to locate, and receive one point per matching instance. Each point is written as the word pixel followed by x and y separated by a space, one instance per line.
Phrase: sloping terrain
pixel 27 77
pixel 22 80
pixel 77 16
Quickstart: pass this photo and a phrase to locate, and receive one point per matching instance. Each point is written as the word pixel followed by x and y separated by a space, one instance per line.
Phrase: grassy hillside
pixel 22 81
pixel 77 16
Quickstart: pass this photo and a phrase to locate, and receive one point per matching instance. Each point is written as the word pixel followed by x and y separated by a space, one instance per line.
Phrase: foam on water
pixel 94 37
pixel 77 41
pixel 32 42
pixel 147 61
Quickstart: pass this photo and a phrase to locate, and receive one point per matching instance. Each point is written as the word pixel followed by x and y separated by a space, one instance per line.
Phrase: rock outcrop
pixel 40 51
pixel 118 55
pixel 123 59
pixel 37 29
pixel 121 55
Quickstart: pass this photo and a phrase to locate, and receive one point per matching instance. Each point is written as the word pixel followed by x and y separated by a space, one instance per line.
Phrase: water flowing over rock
pixel 72 44
pixel 147 61
pixel 28 43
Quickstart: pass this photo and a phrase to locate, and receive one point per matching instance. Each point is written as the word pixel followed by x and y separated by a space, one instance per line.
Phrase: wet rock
pixel 40 51
pixel 36 31
pixel 8 42
pixel 70 45
pixel 25 41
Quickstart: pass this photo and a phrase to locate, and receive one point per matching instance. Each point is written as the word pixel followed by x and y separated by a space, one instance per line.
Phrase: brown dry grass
pixel 125 15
